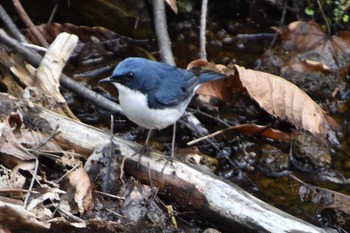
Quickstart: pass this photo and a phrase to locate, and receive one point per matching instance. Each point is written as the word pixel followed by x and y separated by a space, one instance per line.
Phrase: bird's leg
pixel 145 150
pixel 172 155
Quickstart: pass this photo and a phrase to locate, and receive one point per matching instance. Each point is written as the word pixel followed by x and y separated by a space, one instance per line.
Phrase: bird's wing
pixel 175 87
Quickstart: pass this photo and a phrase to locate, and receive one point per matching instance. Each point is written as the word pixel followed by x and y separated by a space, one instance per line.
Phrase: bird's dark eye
pixel 130 75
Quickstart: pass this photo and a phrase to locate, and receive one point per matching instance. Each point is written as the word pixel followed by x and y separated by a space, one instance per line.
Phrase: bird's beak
pixel 106 80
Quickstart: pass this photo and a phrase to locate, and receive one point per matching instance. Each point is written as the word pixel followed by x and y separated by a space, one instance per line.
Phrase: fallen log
pixel 224 203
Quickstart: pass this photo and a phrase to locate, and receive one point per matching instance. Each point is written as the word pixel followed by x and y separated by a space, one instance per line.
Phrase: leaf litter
pixel 223 91
pixel 308 42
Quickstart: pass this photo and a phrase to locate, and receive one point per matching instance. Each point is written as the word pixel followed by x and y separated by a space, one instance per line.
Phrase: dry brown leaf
pixel 307 65
pixel 309 42
pixel 222 88
pixel 172 4
pixel 261 130
pixel 16 218
pixel 284 100
pixel 80 181
pixel 10 144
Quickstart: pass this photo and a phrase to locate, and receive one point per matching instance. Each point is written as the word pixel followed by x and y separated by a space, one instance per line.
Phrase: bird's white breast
pixel 135 107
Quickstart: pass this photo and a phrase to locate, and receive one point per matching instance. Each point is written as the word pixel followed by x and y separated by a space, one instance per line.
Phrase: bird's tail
pixel 208 75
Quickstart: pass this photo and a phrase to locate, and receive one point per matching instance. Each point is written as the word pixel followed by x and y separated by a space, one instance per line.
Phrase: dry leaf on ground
pixel 80 183
pixel 276 95
pixel 15 218
pixel 284 100
pixel 308 41
pixel 10 144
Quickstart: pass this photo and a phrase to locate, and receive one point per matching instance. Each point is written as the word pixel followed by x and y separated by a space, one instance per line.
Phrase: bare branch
pixel 11 26
pixel 203 27
pixel 162 35
pixel 25 18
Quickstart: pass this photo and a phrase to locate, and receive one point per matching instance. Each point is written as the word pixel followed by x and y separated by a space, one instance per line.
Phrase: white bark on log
pixel 222 202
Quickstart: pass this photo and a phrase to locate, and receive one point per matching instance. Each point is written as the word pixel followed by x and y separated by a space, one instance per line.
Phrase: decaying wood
pixel 56 57
pixel 50 68
pixel 185 186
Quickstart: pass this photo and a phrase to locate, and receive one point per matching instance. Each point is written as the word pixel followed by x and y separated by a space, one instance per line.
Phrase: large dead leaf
pixel 309 42
pixel 284 100
pixel 276 95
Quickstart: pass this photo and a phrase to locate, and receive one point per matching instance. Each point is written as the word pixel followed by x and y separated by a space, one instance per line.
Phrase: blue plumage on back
pixel 165 85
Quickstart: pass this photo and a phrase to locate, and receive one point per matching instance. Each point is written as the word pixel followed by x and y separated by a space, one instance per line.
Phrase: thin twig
pixel 70 215
pixel 206 137
pixel 11 26
pixel 53 134
pixel 31 183
pixel 193 110
pixel 203 28
pixel 254 36
pixel 273 41
pixel 25 18
pixel 31 186
pixel 115 213
pixel 30 55
pixel 67 173
pixel 17 190
pixel 35 47
pixel 53 13
pixel 324 17
pixel 110 195
pixel 109 157
pixel 162 35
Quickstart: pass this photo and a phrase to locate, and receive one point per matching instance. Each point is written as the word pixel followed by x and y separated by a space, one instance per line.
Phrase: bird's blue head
pixel 130 73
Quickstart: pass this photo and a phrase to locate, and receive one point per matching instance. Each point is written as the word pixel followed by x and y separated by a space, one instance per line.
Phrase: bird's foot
pixel 170 157
pixel 145 150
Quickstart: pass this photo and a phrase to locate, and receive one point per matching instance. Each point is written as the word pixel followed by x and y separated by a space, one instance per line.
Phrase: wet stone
pixel 273 161
pixel 309 154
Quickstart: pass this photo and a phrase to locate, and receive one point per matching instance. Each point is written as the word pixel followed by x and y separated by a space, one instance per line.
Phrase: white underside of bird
pixel 135 107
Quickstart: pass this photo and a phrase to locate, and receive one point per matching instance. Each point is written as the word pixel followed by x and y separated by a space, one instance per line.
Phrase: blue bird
pixel 155 95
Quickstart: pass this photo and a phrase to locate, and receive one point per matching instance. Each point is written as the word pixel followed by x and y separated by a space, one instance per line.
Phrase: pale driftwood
pixel 51 66
pixel 190 189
